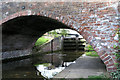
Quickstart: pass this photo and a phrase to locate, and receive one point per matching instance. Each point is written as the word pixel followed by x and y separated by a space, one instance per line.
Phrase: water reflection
pixel 48 73
pixel 19 69
pixel 43 65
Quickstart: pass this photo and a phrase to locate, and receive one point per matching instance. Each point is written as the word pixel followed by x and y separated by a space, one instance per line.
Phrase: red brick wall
pixel 97 22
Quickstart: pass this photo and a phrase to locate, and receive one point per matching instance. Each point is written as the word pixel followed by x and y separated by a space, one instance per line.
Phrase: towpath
pixel 85 66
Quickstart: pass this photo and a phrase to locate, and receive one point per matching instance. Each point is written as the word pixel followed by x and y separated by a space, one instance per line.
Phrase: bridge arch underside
pixel 20 34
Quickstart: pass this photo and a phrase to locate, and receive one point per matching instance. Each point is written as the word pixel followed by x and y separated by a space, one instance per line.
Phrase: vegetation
pixel 41 41
pixel 44 64
pixel 116 75
pixel 88 79
pixel 53 33
pixel 89 47
pixel 99 76
pixel 62 32
pixel 91 52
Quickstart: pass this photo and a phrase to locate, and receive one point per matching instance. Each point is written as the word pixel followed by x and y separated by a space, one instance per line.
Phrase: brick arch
pixel 91 32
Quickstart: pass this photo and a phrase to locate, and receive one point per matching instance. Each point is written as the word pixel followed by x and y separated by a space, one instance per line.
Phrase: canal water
pixel 44 65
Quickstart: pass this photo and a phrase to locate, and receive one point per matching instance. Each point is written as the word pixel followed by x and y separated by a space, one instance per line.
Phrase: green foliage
pixel 116 64
pixel 63 32
pixel 89 47
pixel 99 77
pixel 92 53
pixel 44 64
pixel 116 75
pixel 41 41
pixel 114 46
pixel 54 33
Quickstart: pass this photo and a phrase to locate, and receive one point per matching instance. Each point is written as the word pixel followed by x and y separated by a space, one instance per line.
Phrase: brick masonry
pixel 97 22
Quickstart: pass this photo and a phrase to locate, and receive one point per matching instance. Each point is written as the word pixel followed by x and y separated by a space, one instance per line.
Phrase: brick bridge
pixel 24 22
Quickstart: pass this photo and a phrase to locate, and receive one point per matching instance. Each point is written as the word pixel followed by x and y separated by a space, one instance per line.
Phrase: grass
pixel 94 77
pixel 92 53
pixel 89 47
pixel 84 79
pixel 100 77
pixel 44 64
pixel 41 41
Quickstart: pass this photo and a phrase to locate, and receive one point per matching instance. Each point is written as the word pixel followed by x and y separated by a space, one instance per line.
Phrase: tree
pixel 64 32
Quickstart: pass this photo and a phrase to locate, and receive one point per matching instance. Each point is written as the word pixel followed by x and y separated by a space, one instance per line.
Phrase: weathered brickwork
pixel 97 22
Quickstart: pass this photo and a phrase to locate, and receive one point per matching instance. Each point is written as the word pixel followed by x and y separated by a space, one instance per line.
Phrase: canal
pixel 42 65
